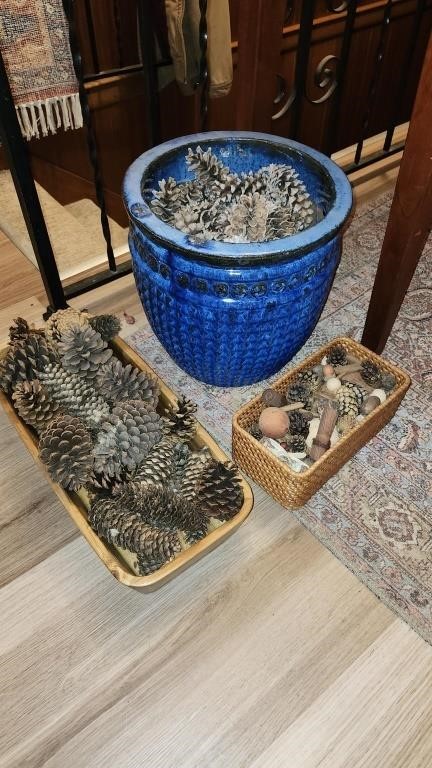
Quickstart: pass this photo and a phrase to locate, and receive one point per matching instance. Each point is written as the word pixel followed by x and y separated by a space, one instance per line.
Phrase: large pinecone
pixel 34 404
pixel 117 382
pixel 298 424
pixel 180 423
pixel 337 355
pixel 83 351
pixel 24 358
pixel 129 531
pixel 74 394
pixel 209 169
pixel 62 320
pixel 219 492
pixel 65 447
pixel 107 326
pixel 347 403
pixel 125 437
pixel 164 508
pixel 193 471
pixel 371 373
pixel 158 467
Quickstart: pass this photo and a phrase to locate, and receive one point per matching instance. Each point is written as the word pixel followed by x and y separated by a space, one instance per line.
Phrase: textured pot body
pixel 234 314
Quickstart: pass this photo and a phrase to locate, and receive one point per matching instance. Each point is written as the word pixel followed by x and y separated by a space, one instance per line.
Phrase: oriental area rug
pixel 375 515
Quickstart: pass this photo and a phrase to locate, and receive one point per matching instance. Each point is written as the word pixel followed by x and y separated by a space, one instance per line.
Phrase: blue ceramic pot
pixel 232 314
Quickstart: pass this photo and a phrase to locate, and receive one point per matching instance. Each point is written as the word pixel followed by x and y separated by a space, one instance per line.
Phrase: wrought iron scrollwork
pixel 289 10
pixel 333 8
pixel 326 76
pixel 282 91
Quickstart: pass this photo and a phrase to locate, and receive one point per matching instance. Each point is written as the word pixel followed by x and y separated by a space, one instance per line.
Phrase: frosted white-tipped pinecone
pixel 83 351
pixel 116 382
pixel 60 321
pixel 74 394
pixel 125 437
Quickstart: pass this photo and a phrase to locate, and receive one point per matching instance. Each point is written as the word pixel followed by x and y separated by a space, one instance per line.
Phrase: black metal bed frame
pixel 329 76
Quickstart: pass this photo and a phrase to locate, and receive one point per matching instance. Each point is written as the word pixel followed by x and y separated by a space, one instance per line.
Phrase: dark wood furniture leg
pixel 410 219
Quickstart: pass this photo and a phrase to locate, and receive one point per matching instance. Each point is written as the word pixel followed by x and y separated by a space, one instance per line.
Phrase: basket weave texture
pixel 293 489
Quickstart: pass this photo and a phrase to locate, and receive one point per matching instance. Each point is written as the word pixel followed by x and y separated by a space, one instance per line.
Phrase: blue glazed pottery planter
pixel 232 314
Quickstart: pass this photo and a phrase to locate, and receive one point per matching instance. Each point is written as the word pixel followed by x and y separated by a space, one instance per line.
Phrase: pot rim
pixel 222 253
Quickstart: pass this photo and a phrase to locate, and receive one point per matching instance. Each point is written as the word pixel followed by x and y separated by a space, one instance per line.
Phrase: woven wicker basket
pixel 294 489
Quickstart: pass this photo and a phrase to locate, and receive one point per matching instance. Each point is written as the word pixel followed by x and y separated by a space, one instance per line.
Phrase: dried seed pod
pixel 274 422
pixel 270 397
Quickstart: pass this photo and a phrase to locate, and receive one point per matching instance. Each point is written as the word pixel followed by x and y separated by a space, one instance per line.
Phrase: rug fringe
pixel 47 116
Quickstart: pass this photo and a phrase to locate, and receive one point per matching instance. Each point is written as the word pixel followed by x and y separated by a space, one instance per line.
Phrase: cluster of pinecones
pixel 98 427
pixel 238 208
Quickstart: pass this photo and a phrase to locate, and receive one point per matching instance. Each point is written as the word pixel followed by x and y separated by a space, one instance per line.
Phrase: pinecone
pixel 125 438
pixel 181 423
pixel 371 373
pixel 65 447
pixel 164 508
pixel 74 394
pixel 295 444
pixel 189 221
pixel 117 382
pixel 158 466
pixel 23 360
pixel 19 330
pixel 147 565
pixel 83 351
pixel 359 392
pixel 182 454
pixel 34 404
pixel 62 320
pixel 337 356
pixel 218 491
pixel 311 378
pixel 299 393
pixel 107 326
pixel 209 169
pixel 255 431
pixel 280 223
pixel 388 381
pixel 271 398
pixel 347 403
pixel 298 424
pixel 345 424
pixel 193 471
pixel 129 531
pixel 248 219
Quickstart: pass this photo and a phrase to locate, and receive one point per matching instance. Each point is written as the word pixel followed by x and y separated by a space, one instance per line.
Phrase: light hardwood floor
pixel 266 654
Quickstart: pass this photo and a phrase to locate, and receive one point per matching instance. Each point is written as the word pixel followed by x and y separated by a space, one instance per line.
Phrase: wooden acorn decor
pixel 324 403
pixel 99 431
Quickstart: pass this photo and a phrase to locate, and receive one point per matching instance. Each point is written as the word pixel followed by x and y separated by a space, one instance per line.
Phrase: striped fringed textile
pixel 34 43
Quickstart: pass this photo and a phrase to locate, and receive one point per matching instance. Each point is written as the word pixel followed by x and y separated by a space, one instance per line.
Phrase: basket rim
pixel 321 351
